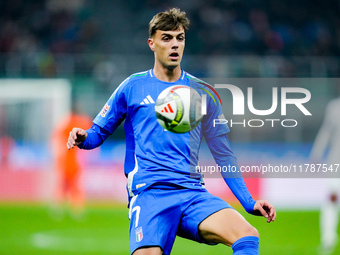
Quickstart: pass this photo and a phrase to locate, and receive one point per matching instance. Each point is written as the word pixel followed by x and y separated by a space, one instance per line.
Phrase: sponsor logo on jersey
pixel 147 100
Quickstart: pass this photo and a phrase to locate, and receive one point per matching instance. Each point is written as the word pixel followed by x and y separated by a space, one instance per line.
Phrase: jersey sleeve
pixel 95 137
pixel 223 155
pixel 212 123
pixel 115 109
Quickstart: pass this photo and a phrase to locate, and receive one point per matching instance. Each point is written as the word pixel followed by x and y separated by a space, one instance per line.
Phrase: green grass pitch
pixel 30 229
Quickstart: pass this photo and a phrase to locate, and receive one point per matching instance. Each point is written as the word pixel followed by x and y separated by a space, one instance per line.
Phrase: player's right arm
pixel 106 122
pixel 87 139
pixel 76 137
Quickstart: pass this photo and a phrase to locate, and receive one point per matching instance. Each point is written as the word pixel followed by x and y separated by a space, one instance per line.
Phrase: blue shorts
pixel 158 215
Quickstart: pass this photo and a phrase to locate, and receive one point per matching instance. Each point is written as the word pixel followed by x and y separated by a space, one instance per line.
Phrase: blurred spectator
pixel 268 27
pixel 56 26
pixel 53 38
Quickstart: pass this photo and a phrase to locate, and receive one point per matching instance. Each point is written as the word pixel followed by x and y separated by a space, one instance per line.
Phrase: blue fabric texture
pixel 248 245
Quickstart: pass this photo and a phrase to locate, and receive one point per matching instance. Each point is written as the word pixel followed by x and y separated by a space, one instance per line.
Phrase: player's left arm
pixel 223 155
pixel 215 133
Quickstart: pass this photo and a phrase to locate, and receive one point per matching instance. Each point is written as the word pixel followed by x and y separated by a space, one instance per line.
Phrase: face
pixel 168 47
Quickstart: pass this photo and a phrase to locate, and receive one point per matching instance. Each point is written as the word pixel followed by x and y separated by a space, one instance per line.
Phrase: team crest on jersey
pixel 105 110
pixel 139 234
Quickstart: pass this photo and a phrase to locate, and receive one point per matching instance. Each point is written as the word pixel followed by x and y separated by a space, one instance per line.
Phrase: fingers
pixel 272 212
pixel 71 140
pixel 77 136
pixel 266 209
pixel 262 211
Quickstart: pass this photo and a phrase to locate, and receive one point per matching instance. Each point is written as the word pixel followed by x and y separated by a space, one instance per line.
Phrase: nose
pixel 174 43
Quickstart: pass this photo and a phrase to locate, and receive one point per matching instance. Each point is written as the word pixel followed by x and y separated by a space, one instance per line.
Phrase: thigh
pixel 225 226
pixel 148 251
pixel 199 204
pixel 154 218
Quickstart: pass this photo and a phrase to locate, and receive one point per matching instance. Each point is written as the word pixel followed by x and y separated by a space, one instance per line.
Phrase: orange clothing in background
pixel 67 163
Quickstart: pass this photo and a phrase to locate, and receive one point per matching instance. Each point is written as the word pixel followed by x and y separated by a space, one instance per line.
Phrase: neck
pixel 167 74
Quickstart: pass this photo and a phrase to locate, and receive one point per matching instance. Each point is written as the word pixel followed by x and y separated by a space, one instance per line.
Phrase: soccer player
pixel 68 165
pixel 165 198
pixel 327 142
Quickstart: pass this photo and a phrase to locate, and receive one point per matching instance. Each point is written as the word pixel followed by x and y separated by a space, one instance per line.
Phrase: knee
pixel 250 231
pixel 245 232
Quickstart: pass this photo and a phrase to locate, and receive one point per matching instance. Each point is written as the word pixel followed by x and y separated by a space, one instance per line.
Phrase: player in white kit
pixel 327 144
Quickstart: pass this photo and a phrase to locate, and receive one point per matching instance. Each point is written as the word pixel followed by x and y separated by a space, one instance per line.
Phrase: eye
pixel 181 38
pixel 165 38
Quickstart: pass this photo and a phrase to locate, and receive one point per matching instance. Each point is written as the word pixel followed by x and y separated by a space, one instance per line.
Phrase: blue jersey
pixel 153 154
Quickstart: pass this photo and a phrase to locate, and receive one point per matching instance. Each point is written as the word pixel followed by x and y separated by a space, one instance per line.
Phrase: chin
pixel 172 66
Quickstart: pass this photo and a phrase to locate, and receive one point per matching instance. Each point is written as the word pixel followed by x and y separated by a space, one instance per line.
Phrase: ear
pixel 151 44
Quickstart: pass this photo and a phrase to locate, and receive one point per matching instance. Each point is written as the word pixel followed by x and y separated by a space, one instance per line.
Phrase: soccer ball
pixel 178 108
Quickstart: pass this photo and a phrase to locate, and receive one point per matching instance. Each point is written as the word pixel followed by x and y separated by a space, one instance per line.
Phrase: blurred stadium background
pixel 54 53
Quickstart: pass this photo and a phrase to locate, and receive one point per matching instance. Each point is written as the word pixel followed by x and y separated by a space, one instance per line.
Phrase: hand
pixel 76 137
pixel 264 208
